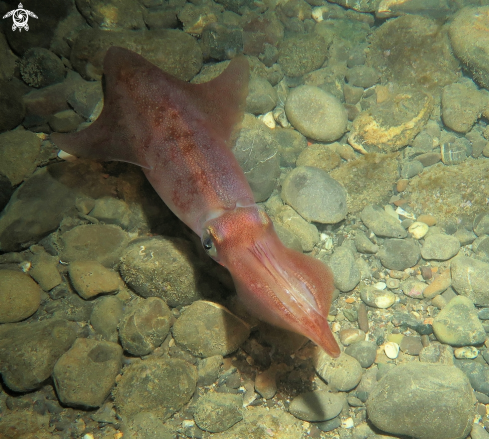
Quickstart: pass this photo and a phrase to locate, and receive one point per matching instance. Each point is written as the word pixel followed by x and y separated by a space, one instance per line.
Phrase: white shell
pixel 268 120
pixel 391 349
pixel 65 156
pixel 418 229
pixel 317 13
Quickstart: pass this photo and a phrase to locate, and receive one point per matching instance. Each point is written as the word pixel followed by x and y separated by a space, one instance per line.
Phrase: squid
pixel 180 134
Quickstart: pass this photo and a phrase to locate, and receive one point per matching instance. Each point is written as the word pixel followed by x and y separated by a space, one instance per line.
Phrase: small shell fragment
pixel 391 350
pixel 418 229
pixel 318 13
pixel 268 120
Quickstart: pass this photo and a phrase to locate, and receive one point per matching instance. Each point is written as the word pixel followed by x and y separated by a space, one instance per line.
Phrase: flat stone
pixel 256 150
pixel 399 254
pixel 217 412
pixel 345 270
pixel 96 242
pixel 144 326
pixel 438 397
pixel 19 154
pixel 315 195
pixel 470 278
pixel 262 422
pixel 85 374
pixel 301 55
pixel 468 32
pixel 381 223
pixel 320 405
pixel 105 317
pixel 342 373
pixel 316 114
pixel 440 247
pixel 159 386
pixel 461 106
pixel 457 323
pixel 37 207
pixel 207 329
pixel 91 278
pixel 364 352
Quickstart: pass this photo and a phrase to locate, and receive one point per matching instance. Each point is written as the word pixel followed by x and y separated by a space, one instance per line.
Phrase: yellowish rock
pixel 391 125
pixel 20 296
pixel 91 278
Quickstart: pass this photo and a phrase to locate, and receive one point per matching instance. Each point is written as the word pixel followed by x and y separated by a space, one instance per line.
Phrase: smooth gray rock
pixel 439 399
pixel 315 195
pixel 364 352
pixel 316 114
pixel 302 54
pixel 399 254
pixel 262 97
pixel 381 223
pixel 342 373
pixel 457 324
pixel 20 296
pixel 345 270
pixel 477 373
pixel 19 153
pixel 320 405
pixel 470 278
pixel 440 247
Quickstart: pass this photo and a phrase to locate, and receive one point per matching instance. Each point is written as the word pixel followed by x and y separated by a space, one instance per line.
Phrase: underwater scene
pixel 244 219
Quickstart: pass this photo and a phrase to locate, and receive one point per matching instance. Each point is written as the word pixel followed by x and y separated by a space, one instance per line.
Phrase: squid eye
pixel 208 245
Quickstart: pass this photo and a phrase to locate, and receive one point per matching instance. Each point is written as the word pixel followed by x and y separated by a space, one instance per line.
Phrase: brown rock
pixel 20 296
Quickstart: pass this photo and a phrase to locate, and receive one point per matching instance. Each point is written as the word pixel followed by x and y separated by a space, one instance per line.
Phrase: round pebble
pixel 20 296
pixel 440 247
pixel 343 373
pixel 315 195
pixel 320 405
pixel 145 326
pixel 316 114
pixel 364 351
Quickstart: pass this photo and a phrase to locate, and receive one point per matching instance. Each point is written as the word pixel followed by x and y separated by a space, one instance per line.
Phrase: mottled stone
pixel 28 352
pixel 84 375
pixel 438 397
pixel 315 195
pixel 159 386
pixel 208 329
